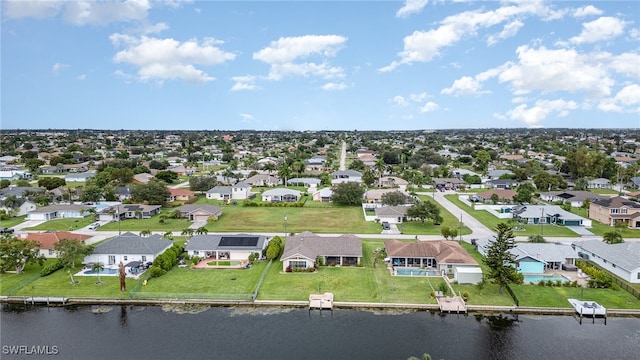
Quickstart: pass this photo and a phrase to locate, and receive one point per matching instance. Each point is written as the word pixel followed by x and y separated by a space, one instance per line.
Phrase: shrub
pixel 465 295
pixel 443 288
pixel 541 283
pixel 195 260
pixel 50 268
pixel 155 271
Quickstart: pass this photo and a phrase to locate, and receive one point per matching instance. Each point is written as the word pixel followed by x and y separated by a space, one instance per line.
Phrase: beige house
pixel 302 250
pixel 616 210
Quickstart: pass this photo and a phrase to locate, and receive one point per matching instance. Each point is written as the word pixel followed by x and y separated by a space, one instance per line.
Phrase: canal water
pixel 175 332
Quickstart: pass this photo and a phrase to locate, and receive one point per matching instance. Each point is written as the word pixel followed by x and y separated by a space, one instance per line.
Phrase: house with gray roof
pixel 392 214
pixel 200 212
pixel 599 183
pixel 305 181
pixel 343 176
pixel 547 214
pixel 128 248
pixel 621 259
pixel 575 198
pixel 536 258
pixel 301 251
pixel 262 180
pixel 239 191
pixel 226 246
pixel 80 177
pixel 323 195
pixel 281 195
pixel 51 212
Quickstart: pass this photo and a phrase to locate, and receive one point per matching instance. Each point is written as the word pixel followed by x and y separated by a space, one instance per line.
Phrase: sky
pixel 319 65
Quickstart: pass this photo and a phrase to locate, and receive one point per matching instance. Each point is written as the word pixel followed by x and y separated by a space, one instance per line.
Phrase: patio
pixel 234 264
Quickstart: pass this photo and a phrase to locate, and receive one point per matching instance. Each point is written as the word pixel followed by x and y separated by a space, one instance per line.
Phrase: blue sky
pixel 319 65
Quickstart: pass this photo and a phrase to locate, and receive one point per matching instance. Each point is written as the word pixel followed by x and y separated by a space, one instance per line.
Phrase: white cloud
pixel 588 10
pixel 399 100
pixel 283 53
pixel 57 67
pixel 247 82
pixel 101 13
pixel 419 97
pixel 247 118
pixel 603 28
pixel 626 63
pixel 429 107
pixel 411 7
pixel 36 9
pixel 334 86
pixel 542 109
pixel 509 30
pixel 168 59
pixel 626 98
pixel 550 70
pixel 424 46
pixel 81 77
pixel 466 85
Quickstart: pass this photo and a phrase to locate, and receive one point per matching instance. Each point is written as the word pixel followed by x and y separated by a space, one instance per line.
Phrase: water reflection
pixel 123 316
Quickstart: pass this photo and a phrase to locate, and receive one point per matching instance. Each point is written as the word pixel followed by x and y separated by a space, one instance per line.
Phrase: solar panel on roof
pixel 238 241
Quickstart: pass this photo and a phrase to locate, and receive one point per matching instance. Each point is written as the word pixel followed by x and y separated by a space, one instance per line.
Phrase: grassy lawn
pixel 545 296
pixel 152 224
pixel 12 221
pixel 59 284
pixel 66 224
pixel 9 282
pixel 185 282
pixel 417 228
pixel 604 191
pixel 491 221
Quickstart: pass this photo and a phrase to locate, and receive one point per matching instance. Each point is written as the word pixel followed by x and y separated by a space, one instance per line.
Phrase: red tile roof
pixel 48 239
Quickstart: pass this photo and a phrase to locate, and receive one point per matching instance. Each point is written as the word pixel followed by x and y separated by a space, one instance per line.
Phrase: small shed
pixel 467 275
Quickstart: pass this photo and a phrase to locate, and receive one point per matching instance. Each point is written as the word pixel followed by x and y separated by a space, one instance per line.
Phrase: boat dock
pixel 589 308
pixel 452 304
pixel 321 301
pixel 46 300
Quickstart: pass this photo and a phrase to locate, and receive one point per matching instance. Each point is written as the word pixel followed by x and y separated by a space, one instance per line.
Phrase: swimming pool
pixel 537 278
pixel 106 271
pixel 411 271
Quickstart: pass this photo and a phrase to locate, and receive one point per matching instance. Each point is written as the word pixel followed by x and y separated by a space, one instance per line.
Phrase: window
pixel 298 264
pixel 639 276
pixel 614 211
pixel 51 252
pixel 144 258
pixel 125 258
pixel 196 252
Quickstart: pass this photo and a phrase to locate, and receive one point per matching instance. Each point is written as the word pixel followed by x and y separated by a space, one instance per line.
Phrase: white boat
pixel 588 308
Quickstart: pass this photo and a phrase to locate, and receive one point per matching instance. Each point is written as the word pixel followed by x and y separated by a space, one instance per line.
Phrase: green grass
pixel 66 224
pixel 10 281
pixel 599 228
pixel 183 282
pixel 152 224
pixel 59 284
pixel 223 263
pixel 11 222
pixel 545 296
pixel 491 222
pixel 604 191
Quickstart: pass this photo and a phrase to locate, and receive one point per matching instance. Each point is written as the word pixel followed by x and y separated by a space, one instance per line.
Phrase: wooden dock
pixel 321 301
pixel 452 304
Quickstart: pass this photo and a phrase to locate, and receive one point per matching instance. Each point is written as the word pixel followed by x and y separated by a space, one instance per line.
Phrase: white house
pixel 239 191
pixel 342 176
pixel 80 177
pixel 226 247
pixel 21 207
pixel 600 183
pixel 128 247
pixel 50 212
pixel 323 195
pixel 281 195
pixel 621 259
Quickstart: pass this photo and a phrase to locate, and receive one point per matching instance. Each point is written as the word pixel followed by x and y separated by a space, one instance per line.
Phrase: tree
pixel 202 183
pixel 368 177
pixel 524 193
pixel 445 231
pixel 167 176
pixel 202 231
pixel 153 193
pixel 145 233
pixel 97 268
pixel 16 254
pixel 379 168
pixel 394 198
pixel 69 251
pixel 425 210
pixel 495 198
pixel 537 238
pixel 50 183
pixel 357 165
pixel 349 193
pixel 612 237
pixel 274 249
pixel 187 232
pixel 502 263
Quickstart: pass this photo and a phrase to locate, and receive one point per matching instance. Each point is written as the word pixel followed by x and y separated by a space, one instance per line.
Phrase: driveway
pixel 581 230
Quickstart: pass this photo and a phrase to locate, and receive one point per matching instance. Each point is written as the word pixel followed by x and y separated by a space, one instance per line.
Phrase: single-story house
pixel 535 258
pixel 497 173
pixel 17 208
pixel 575 198
pixel 323 195
pixel 302 250
pixel 306 181
pixel 316 163
pixel 12 175
pixel 342 176
pixel 614 210
pixel 80 177
pixel 226 247
pixel 128 211
pixel 142 178
pixel 600 183
pixel 504 195
pixel 392 214
pixel 21 191
pixel 128 247
pixel 449 183
pixel 281 195
pixel 262 180
pixel 374 196
pixel 393 182
pixel 58 211
pixel 441 255
pixel 181 195
pixel 547 214
pixel 48 240
pixel 621 259
pixel 503 183
pixel 196 212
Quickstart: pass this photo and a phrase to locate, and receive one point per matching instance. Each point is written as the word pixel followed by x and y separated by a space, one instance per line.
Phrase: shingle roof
pixel 391 210
pixel 189 208
pixel 548 252
pixel 52 208
pixel 281 192
pixel 617 202
pixel 48 239
pixel 212 242
pixel 130 243
pixel 220 190
pixel 624 255
pixel 445 252
pixel 311 245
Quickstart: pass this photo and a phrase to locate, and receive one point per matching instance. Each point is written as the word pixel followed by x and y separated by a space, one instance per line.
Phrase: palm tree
pixel 202 230
pixel 97 268
pixel 187 232
pixel 146 232
pixel 175 214
pixel 168 235
pixel 163 219
pixel 379 167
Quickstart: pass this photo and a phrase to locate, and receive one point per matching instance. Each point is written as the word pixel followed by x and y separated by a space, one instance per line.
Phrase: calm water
pixel 135 332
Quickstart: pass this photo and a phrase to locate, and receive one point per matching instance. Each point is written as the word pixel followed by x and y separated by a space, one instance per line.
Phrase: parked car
pixel 6 230
pixel 94 226
pixel 386 226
